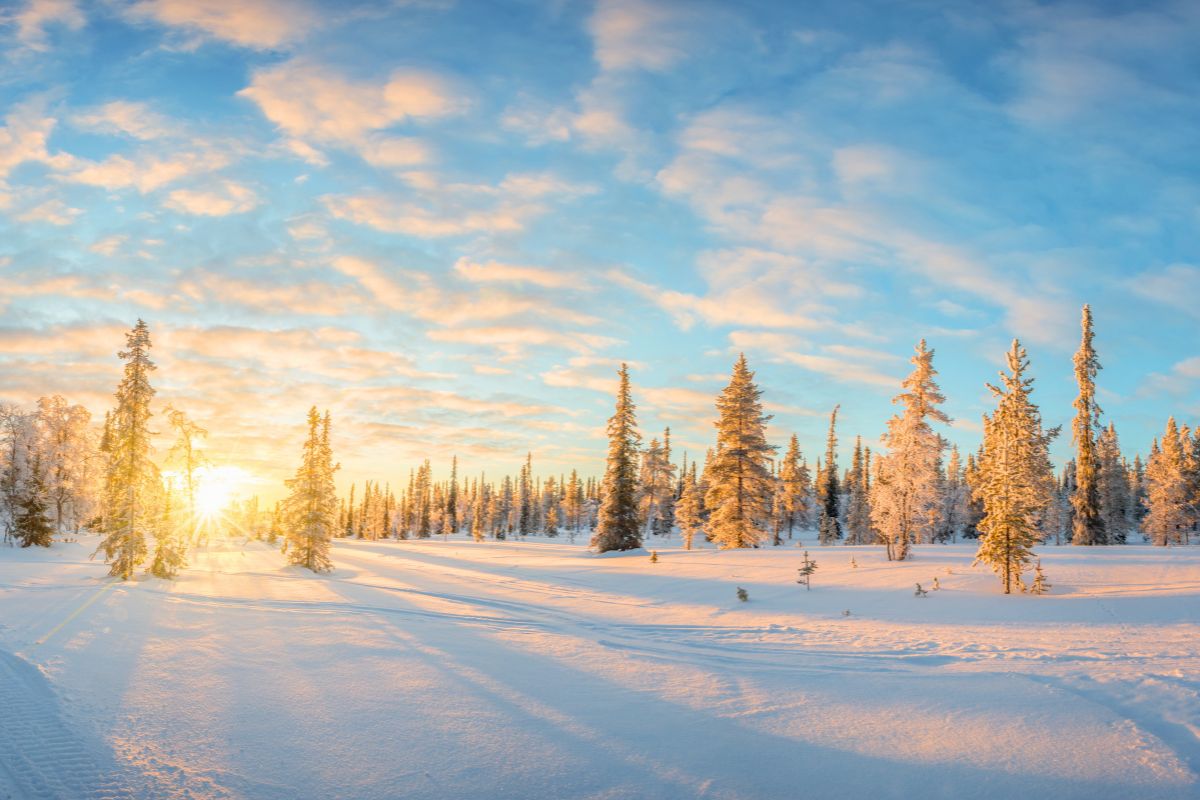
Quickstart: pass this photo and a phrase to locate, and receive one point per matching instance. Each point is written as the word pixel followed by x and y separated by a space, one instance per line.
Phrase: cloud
pixel 124 117
pixel 841 366
pixel 750 286
pixel 109 245
pixel 257 24
pixel 761 180
pixel 494 271
pixel 456 209
pixel 1181 381
pixel 588 372
pixel 272 295
pixel 226 198
pixel 1075 62
pixel 637 34
pixel 391 216
pixel 513 340
pixel 24 138
pixel 419 295
pixel 313 105
pixel 1176 286
pixel 38 16
pixel 51 212
pixel 148 172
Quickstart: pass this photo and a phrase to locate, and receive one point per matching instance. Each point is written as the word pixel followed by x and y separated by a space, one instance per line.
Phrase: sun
pixel 216 488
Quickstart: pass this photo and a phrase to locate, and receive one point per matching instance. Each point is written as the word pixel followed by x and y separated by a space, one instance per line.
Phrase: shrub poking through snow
pixel 920 592
pixel 806 572
pixel 742 594
pixel 1040 584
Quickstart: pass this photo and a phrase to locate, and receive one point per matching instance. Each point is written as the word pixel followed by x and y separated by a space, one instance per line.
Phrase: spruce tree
pixel 479 510
pixel 1113 486
pixel 310 511
pixel 31 517
pixel 739 477
pixel 859 529
pixel 131 482
pixel 829 529
pixel 617 526
pixel 1168 503
pixel 184 454
pixel 1015 475
pixel 1088 525
pixel 451 515
pixel 689 513
pixel 170 538
pixel 793 488
pixel 907 492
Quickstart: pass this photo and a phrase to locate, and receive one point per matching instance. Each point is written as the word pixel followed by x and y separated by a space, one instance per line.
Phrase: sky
pixel 449 222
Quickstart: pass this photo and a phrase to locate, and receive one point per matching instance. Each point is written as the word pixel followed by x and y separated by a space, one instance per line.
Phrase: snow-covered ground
pixel 448 669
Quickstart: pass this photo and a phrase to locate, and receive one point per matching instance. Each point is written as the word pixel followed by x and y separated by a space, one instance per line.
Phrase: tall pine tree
pixel 310 511
pixel 907 492
pixel 829 529
pixel 617 526
pixel 1015 477
pixel 1088 524
pixel 740 481
pixel 132 488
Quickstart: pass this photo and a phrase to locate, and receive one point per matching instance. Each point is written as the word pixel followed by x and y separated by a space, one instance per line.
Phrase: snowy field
pixel 531 670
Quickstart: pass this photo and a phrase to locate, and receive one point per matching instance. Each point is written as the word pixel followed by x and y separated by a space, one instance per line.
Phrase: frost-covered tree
pixel 1014 474
pixel 739 475
pixel 829 528
pixel 170 537
pixel 310 511
pixel 907 497
pixel 132 488
pixel 450 517
pixel 1168 504
pixel 186 457
pixel 16 444
pixel 657 490
pixel 955 502
pixel 573 500
pixel 689 513
pixel 1113 486
pixel 794 487
pixel 66 448
pixel 1088 524
pixel 479 511
pixel 859 529
pixel 617 526
pixel 31 518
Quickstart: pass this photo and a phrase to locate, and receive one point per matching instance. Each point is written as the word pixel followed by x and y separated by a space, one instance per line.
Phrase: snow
pixel 534 669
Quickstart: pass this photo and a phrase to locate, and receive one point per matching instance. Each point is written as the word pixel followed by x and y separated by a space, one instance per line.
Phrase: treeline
pixel 917 489
pixel 59 472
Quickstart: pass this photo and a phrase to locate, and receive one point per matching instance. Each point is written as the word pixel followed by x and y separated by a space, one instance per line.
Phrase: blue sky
pixel 448 222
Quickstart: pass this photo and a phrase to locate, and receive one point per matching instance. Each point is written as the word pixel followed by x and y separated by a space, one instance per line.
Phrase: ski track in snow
pixel 531 670
pixel 43 756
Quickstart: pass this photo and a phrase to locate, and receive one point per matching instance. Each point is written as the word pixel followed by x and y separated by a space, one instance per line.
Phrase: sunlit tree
pixel 132 487
pixel 740 483
pixel 1015 478
pixel 907 496
pixel 617 527
pixel 310 511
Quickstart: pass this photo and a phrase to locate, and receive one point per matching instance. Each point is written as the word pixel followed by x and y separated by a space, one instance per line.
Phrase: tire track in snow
pixel 42 756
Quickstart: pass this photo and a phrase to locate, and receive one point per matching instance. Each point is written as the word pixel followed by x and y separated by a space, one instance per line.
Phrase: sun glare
pixel 216 487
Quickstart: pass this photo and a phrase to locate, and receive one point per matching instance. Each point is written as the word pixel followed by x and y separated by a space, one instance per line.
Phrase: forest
pixel 64 474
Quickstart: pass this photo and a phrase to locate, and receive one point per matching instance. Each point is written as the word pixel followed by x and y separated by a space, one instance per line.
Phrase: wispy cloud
pixel 258 24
